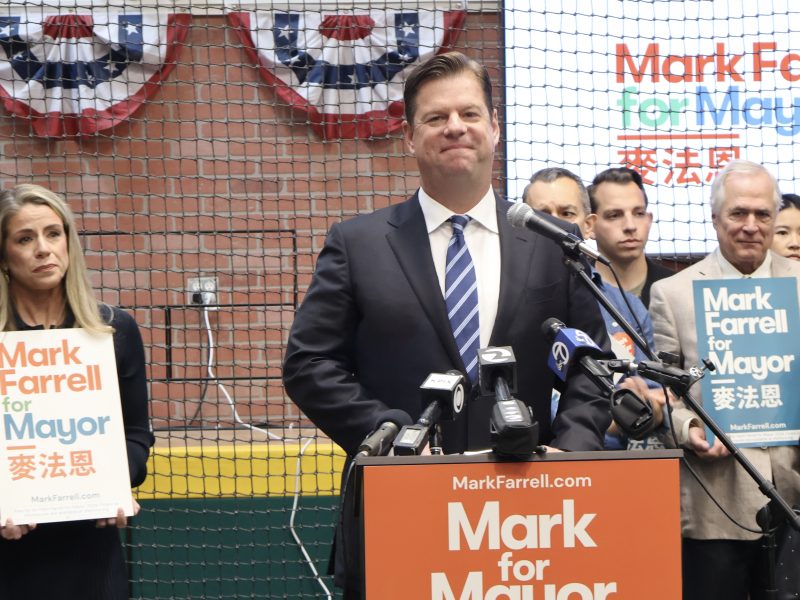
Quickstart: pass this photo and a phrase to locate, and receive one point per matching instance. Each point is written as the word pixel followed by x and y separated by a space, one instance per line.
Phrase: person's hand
pixel 120 521
pixel 635 384
pixel 550 449
pixel 658 400
pixel 699 445
pixel 655 396
pixel 9 531
pixel 639 387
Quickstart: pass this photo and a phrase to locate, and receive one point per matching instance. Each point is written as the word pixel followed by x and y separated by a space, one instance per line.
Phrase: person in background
pixel 620 223
pixel 722 561
pixel 44 285
pixel 787 227
pixel 560 193
pixel 384 308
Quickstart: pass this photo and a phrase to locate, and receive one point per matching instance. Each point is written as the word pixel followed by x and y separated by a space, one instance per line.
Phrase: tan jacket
pixel 672 309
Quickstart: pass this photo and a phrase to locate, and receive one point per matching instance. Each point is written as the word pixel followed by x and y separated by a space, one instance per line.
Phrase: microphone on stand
pixel 522 215
pixel 631 413
pixel 379 442
pixel 445 394
pixel 671 376
pixel 513 431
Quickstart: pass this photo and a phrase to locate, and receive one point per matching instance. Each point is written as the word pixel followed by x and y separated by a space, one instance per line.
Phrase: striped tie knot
pixel 459 222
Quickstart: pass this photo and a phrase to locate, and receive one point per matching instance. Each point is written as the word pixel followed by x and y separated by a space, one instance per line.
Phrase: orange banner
pixel 541 530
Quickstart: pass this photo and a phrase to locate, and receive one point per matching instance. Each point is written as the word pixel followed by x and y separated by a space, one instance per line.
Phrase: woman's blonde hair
pixel 80 296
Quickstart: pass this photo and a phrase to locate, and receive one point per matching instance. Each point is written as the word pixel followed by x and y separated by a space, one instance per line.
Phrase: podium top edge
pixel 550 457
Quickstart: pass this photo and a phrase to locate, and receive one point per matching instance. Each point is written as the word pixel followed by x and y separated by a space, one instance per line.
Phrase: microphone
pixel 513 431
pixel 447 390
pixel 631 413
pixel 673 377
pixel 568 346
pixel 522 215
pixel 445 393
pixel 379 441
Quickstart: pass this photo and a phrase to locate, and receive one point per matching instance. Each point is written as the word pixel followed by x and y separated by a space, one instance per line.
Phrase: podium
pixel 564 526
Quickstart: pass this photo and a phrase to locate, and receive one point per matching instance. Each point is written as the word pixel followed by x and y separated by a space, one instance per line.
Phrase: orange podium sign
pixel 571 526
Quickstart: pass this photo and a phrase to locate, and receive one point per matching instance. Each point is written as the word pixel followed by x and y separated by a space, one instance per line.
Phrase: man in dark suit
pixel 375 320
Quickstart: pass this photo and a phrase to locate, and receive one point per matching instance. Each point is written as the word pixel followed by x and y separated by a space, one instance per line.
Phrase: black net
pixel 205 175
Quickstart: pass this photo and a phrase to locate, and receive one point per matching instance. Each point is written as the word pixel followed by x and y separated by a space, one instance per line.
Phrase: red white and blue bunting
pixel 73 74
pixel 347 70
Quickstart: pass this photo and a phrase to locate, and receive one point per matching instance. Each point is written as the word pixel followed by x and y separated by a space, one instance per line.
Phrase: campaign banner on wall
pixel 62 440
pixel 543 530
pixel 674 90
pixel 749 328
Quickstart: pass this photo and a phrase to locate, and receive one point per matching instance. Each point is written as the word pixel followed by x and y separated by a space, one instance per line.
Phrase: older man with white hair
pixel 722 561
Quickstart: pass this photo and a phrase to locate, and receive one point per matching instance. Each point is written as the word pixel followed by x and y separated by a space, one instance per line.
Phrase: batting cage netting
pixel 206 149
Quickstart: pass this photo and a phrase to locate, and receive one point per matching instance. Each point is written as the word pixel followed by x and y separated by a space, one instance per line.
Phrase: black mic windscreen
pixel 551 327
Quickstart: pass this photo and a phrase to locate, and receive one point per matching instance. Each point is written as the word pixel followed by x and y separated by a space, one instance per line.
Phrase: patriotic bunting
pixel 346 71
pixel 73 74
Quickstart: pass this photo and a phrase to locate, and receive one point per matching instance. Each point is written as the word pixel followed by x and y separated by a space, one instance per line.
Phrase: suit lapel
pixel 408 239
pixel 709 268
pixel 516 253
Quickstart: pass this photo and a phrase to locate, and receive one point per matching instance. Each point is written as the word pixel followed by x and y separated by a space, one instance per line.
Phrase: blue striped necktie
pixel 461 297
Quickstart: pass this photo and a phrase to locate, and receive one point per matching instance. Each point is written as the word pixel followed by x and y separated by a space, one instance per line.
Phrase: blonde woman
pixel 44 285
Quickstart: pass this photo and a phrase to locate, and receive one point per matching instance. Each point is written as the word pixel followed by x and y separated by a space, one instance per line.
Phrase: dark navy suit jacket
pixel 373 325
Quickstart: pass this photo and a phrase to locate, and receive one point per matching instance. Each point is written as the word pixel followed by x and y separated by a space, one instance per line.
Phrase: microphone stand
pixel 412 439
pixel 579 268
pixel 679 382
pixel 771 514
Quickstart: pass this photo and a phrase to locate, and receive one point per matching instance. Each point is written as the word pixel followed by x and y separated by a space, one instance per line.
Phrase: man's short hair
pixel 442 66
pixel 618 175
pixel 550 174
pixel 744 167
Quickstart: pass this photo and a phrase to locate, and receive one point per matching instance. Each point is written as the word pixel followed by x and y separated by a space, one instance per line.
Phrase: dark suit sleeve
pixel 319 370
pixel 129 351
pixel 583 412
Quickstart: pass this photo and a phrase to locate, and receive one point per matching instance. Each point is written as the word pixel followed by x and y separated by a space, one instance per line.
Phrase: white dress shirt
pixel 731 272
pixel 483 241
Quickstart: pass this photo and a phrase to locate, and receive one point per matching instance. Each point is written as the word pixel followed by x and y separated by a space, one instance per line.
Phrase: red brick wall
pixel 215 177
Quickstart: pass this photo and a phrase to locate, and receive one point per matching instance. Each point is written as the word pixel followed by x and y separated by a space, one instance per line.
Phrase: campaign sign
pixel 674 90
pixel 62 440
pixel 749 328
pixel 588 526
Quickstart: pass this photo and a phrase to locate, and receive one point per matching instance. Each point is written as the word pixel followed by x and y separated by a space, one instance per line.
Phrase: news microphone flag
pixel 568 345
